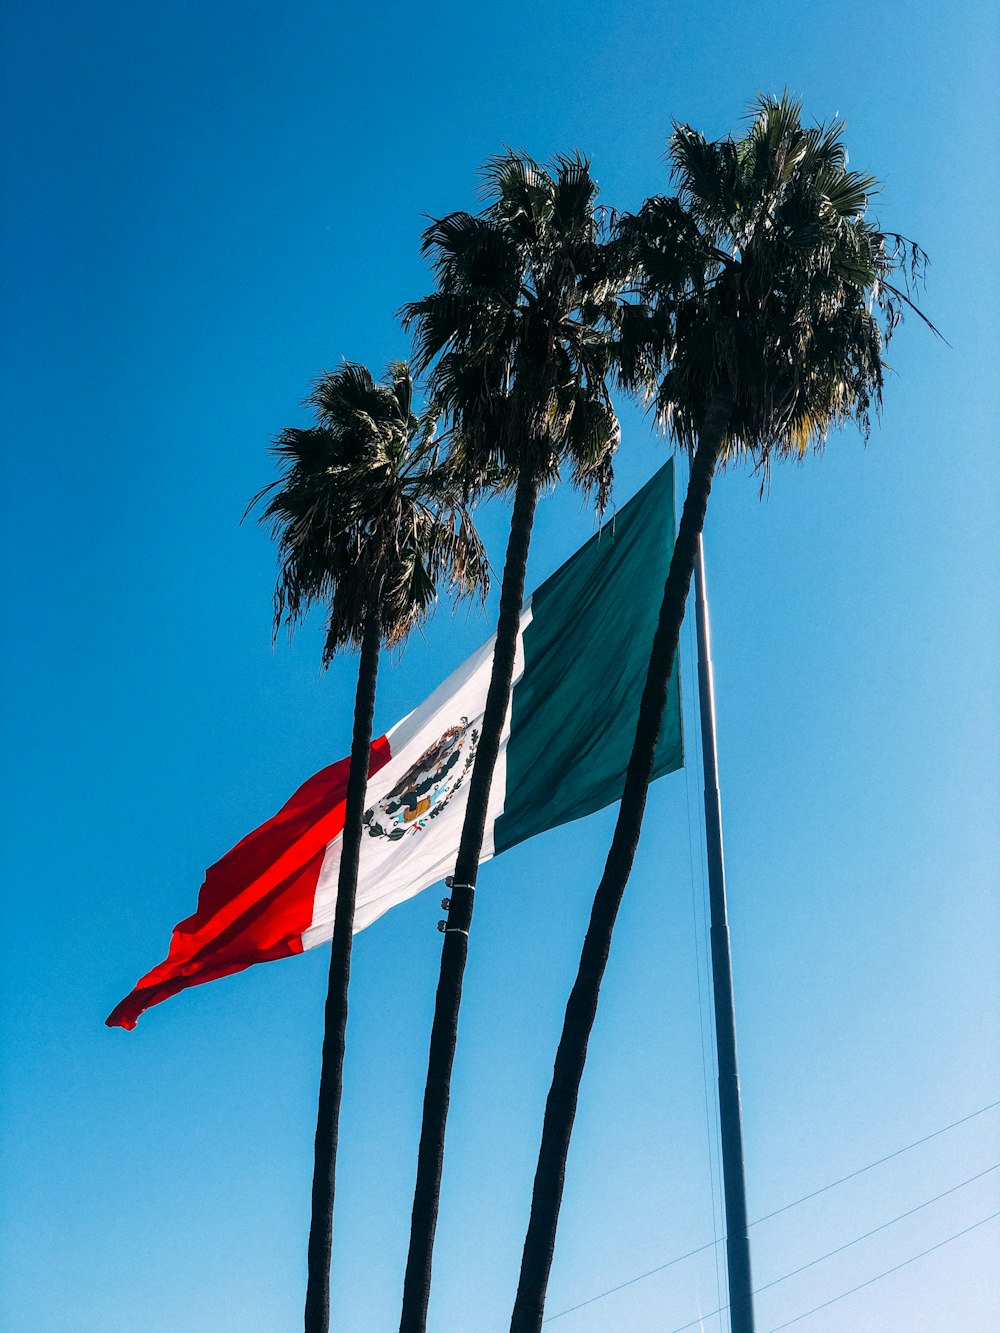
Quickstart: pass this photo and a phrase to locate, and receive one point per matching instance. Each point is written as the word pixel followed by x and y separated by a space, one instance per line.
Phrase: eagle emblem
pixel 427 785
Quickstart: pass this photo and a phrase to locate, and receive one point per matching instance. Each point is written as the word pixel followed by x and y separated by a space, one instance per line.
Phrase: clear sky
pixel 202 207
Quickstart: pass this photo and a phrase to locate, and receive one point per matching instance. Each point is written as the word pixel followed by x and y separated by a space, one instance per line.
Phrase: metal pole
pixel 734 1184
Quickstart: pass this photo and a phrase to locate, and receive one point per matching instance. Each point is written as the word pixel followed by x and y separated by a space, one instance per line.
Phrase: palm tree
pixel 767 303
pixel 369 520
pixel 518 340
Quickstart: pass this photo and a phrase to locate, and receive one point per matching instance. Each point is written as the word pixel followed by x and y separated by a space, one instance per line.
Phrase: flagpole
pixel 741 1316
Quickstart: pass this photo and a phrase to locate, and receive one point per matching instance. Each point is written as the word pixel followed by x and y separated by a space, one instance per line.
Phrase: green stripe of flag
pixel 586 651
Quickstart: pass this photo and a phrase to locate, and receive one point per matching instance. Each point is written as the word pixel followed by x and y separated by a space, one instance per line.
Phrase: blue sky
pixel 202 207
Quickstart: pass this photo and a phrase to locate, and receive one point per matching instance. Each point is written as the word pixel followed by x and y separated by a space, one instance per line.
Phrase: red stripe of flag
pixel 258 899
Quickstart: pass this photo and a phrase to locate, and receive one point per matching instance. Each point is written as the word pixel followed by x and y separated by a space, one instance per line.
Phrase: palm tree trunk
pixel 444 1032
pixel 331 1082
pixel 581 1009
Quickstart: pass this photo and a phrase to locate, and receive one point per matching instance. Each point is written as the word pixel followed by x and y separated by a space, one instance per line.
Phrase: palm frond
pixel 765 277
pixel 368 515
pixel 521 326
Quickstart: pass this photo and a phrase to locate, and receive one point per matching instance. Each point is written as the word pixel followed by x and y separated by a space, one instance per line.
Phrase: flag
pixel 583 648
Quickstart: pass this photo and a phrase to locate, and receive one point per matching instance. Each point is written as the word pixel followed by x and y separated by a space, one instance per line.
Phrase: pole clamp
pixel 445 929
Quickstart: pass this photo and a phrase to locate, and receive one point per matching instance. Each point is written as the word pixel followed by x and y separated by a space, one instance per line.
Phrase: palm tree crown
pixel 369 517
pixel 765 282
pixel 518 330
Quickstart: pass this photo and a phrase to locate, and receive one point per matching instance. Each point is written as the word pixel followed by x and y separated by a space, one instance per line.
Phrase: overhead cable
pixel 860 1287
pixel 875 1230
pixel 795 1271
pixel 651 1272
pixel 878 1278
pixel 887 1158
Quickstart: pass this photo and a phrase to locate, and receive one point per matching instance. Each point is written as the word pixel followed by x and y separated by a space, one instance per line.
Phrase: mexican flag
pixel 585 638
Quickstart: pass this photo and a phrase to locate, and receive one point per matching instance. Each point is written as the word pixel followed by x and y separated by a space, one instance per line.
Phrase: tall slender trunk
pixel 581 1009
pixel 444 1032
pixel 331 1081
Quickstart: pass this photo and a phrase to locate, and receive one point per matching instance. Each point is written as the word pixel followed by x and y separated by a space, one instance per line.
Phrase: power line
pixel 875 1230
pixel 860 1287
pixel 784 1208
pixel 795 1271
pixel 630 1282
pixel 923 1254
pixel 888 1158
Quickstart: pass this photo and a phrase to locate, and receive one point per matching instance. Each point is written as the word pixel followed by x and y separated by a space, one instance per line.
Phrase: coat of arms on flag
pixel 426 788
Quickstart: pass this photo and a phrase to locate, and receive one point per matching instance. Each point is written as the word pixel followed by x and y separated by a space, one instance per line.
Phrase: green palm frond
pixel 764 277
pixel 369 518
pixel 519 336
